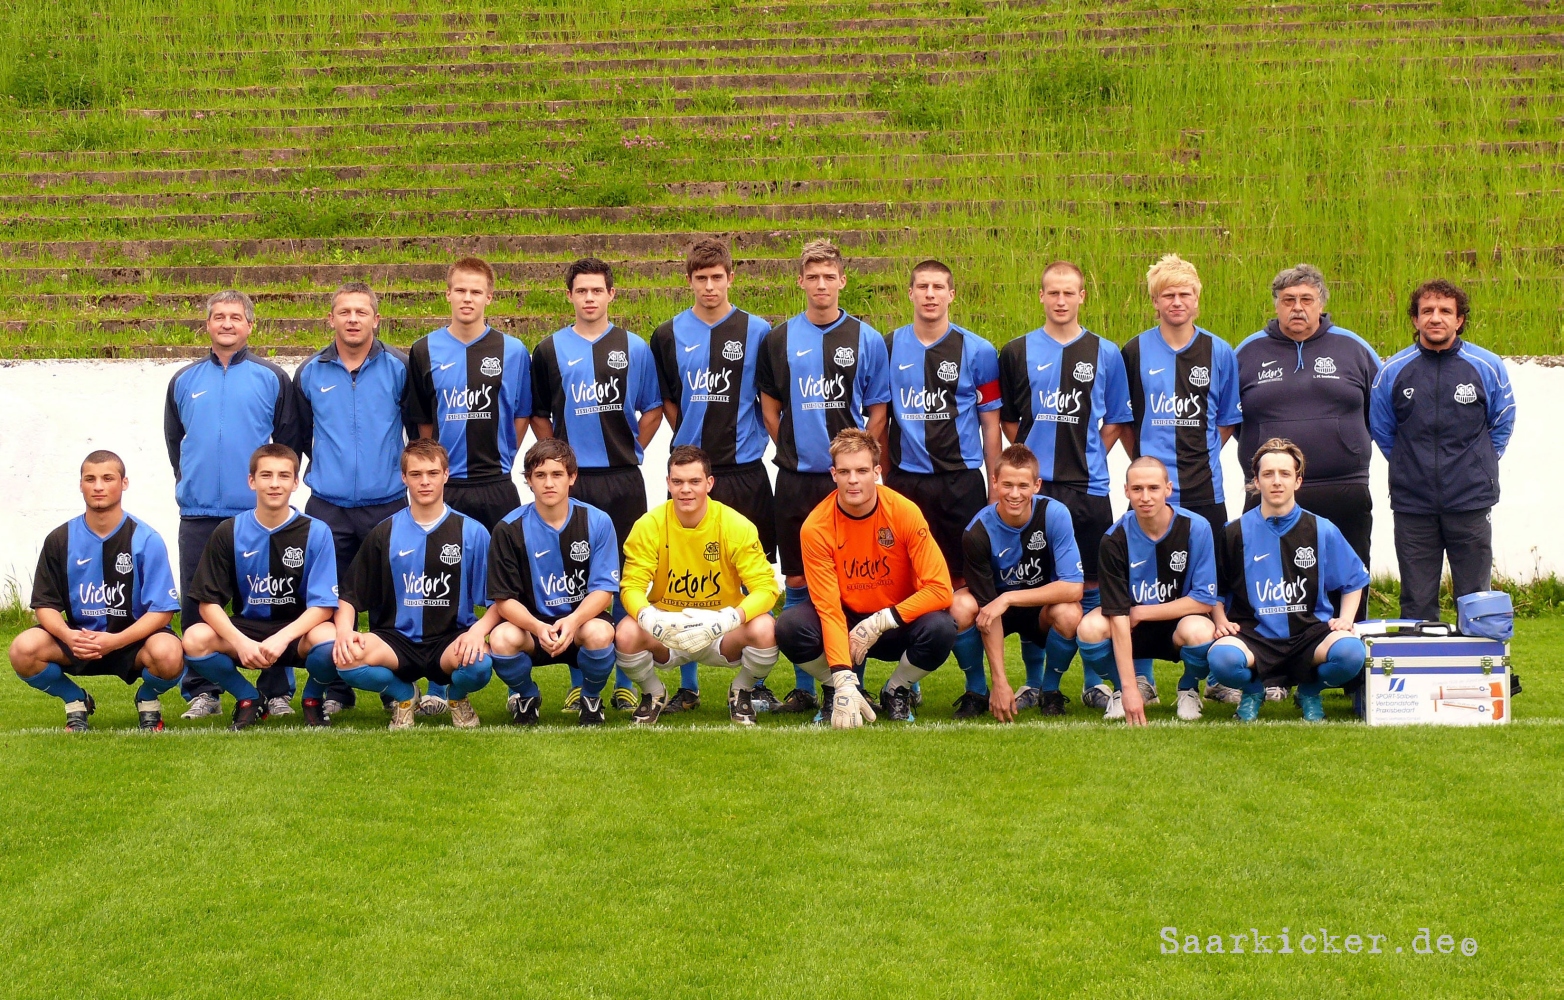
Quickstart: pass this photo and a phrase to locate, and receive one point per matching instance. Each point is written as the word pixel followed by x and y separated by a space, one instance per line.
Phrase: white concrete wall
pixel 57 411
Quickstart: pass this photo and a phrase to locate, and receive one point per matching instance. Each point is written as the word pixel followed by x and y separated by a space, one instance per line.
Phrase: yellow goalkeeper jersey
pixel 716 564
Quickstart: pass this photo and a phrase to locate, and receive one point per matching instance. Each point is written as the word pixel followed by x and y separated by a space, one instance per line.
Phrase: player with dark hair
pixel 104 596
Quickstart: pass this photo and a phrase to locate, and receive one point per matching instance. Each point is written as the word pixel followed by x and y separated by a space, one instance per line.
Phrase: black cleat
pixel 683 700
pixel 652 706
pixel 315 713
pixel 1053 703
pixel 591 711
pixel 624 699
pixel 248 712
pixel 764 699
pixel 150 718
pixel 917 696
pixel 741 707
pixel 797 702
pixel 897 704
pixel 971 705
pixel 827 699
pixel 76 721
pixel 524 711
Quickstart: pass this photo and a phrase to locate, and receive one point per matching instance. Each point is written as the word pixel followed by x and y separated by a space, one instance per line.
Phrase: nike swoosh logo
pixel 451 365
pixel 802 353
pixel 327 388
pixel 1270 363
pixel 251 553
pixel 1043 368
pixel 540 555
pixel 1007 549
pixel 198 395
pixel 1141 563
pixel 1156 371
pixel 405 552
pixel 905 367
pixel 571 363
pixel 691 348
pixel 1258 558
pixel 83 562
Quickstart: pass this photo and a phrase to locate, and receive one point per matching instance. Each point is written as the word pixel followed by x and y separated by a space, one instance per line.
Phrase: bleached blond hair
pixel 1171 270
pixel 821 252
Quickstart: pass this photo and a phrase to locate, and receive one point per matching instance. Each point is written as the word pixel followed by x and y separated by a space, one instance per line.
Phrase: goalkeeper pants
pixel 926 641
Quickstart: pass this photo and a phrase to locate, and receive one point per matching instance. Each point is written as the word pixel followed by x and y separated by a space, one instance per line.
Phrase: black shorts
pixel 1285 662
pixel 798 494
pixel 747 489
pixel 484 502
pixel 417 659
pixel 258 630
pixel 121 663
pixel 949 501
pixel 1091 516
pixel 1026 623
pixel 618 492
pixel 1154 640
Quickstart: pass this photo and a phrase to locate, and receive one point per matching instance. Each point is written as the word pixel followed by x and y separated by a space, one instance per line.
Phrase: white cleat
pixel 431 705
pixel 330 707
pixel 1115 709
pixel 1223 694
pixel 403 714
pixel 1189 705
pixel 462 715
pixel 203 706
pixel 1148 691
pixel 1097 697
pixel 279 706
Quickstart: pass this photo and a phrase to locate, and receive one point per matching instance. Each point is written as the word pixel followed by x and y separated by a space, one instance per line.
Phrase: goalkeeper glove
pixel 849 708
pixel 867 632
pixel 702 628
pixel 659 624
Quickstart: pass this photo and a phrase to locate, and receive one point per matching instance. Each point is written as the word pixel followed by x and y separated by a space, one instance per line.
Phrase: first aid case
pixel 1426 673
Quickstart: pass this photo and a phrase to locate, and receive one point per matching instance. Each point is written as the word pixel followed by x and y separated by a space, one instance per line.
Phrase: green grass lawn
pixel 935 859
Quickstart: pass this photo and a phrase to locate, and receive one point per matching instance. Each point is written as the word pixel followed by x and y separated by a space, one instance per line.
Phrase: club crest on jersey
pixel 1178 560
pixel 713 551
pixel 1407 392
pixel 1303 558
pixel 617 359
pixel 122 563
pixel 1465 393
pixel 451 553
pixel 733 350
pixel 1200 375
pixel 845 356
pixel 886 537
pixel 1325 366
pixel 948 371
pixel 490 367
pixel 1037 541
pixel 293 557
pixel 580 551
pixel 1084 371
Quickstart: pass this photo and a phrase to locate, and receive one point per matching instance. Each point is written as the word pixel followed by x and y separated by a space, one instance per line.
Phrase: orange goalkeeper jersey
pixel 886 559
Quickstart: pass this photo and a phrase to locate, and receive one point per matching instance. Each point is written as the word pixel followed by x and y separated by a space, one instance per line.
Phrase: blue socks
pixel 1032 658
pixel 1097 660
pixel 798 595
pixel 380 680
pixel 473 677
pixel 220 670
pixel 1196 666
pixel 1057 654
pixel 1228 668
pixel 52 680
pixel 1146 667
pixel 436 690
pixel 516 672
pixel 969 657
pixel 152 686
pixel 1343 661
pixel 575 677
pixel 1091 600
pixel 596 665
pixel 689 676
pixel 317 663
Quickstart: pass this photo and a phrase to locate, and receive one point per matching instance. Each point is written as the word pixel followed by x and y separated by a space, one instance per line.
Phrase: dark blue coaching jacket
pixel 351 425
pixel 214 418
pixel 1443 419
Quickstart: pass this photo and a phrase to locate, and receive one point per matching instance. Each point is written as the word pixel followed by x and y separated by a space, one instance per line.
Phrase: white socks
pixel 906 675
pixel 817 669
pixel 755 665
pixel 641 668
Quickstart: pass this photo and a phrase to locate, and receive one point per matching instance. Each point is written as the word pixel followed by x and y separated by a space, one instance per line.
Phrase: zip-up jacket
pixel 1315 393
pixel 1443 419
pixel 352 426
pixel 214 418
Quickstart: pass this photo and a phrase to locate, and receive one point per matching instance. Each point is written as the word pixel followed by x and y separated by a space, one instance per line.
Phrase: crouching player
pixel 697 589
pixel 878 586
pixel 553 573
pixel 104 595
pixel 418 574
pixel 1158 578
pixel 278 569
pixel 1023 574
pixel 1281 564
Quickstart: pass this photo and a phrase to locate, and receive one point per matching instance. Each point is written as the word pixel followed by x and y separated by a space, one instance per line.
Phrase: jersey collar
pixel 293 515
pixel 112 531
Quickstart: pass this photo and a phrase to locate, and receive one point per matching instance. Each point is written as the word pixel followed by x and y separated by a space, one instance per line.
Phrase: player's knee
pixel 1343 661
pixel 325 633
pixel 1092 627
pixel 166 656
pixel 26 652
pixel 1229 663
pixel 1194 630
pixel 629 636
pixel 798 633
pixel 1065 618
pixel 964 609
pixel 200 640
pixel 505 640
pixel 598 634
pixel 762 631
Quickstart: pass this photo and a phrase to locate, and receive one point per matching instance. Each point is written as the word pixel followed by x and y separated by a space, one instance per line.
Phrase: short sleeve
pixel 518 378
pixel 506 563
pixel 475 562
pixel 604 570
pixel 979 564
pixel 1200 582
pixel 155 576
pixel 874 368
pixel 418 401
pixel 1014 385
pixel 1228 412
pixel 1113 575
pixel 1345 571
pixel 1115 388
pixel 49 582
pixel 1061 536
pixel 985 376
pixel 363 587
pixel 320 588
pixel 214 578
pixel 765 373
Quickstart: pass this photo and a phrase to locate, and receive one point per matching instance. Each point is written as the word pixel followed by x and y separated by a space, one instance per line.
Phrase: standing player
pixel 472 392
pixel 706 359
pixel 596 389
pixel 1159 585
pixel 819 373
pixel 218 411
pixel 419 575
pixel 1184 394
pixel 1064 395
pixel 697 588
pixel 278 570
pixel 1023 577
pixel 104 596
pixel 1281 564
pixel 553 573
pixel 877 587
pixel 352 395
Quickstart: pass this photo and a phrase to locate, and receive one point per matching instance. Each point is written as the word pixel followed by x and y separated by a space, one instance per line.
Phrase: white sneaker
pixel 1224 694
pixel 462 715
pixel 1189 704
pixel 203 706
pixel 330 707
pixel 1097 697
pixel 1148 691
pixel 403 713
pixel 430 705
pixel 279 706
pixel 1115 710
pixel 1275 694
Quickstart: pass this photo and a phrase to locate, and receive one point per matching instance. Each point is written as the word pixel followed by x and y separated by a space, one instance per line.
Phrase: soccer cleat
pixel 1053 702
pixel 315 713
pixel 1223 693
pixel 1097 697
pixel 1249 706
pixel 572 703
pixel 741 707
pixel 625 700
pixel 403 713
pixel 651 706
pixel 1312 706
pixel 896 703
pixel 247 713
pixel 971 705
pixel 592 711
pixel 683 700
pixel 149 716
pixel 1275 694
pixel 463 716
pixel 917 696
pixel 1115 709
pixel 797 702
pixel 332 706
pixel 203 705
pixel 822 713
pixel 763 699
pixel 76 713
pixel 523 711
pixel 1189 704
pixel 279 706
pixel 1029 697
pixel 433 705
pixel 1148 691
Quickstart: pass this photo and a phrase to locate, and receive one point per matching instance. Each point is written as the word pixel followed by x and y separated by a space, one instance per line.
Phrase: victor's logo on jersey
pixel 293 557
pixel 580 551
pixel 733 350
pixel 886 537
pixel 821 393
pixel 709 386
pixel 713 551
pixel 1269 374
pixel 871 570
pixel 1025 573
pixel 1200 375
pixel 617 360
pixel 1178 408
pixel 1465 393
pixel 96 600
pixel 948 371
pixel 269 589
pixel 694 586
pixel 123 563
pixel 1325 366
pixel 1062 403
pixel 489 367
pixel 422 591
pixel 1084 371
pixel 596 393
pixel 1280 597
pixel 1303 558
pixel 568 587
pixel 1154 592
pixel 844 357
pixel 925 400
pixel 475 401
pixel 451 553
pixel 1178 560
pixel 1037 542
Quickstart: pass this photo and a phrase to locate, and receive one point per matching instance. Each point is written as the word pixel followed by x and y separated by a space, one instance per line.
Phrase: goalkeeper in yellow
pixel 696 586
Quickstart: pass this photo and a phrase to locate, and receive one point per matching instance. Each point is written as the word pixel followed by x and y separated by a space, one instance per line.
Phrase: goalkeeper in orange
pixel 878 587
